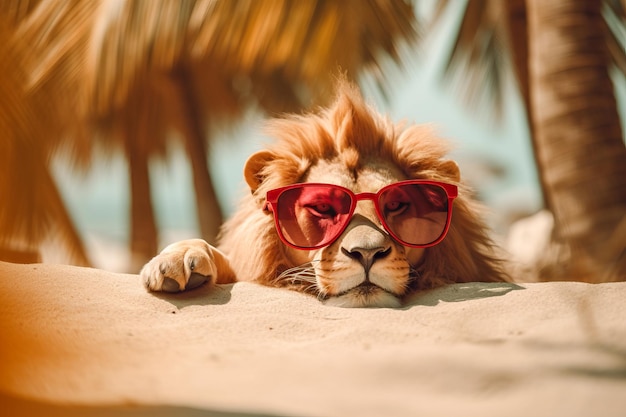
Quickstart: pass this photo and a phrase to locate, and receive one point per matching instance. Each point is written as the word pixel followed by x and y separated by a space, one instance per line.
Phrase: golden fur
pixel 348 144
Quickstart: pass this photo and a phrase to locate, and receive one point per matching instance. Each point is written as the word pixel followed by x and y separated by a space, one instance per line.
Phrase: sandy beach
pixel 79 341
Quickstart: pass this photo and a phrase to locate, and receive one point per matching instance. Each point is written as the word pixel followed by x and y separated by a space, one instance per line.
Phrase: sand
pixel 80 342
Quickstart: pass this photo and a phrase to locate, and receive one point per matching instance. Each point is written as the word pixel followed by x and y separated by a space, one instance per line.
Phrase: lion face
pixel 350 145
pixel 364 266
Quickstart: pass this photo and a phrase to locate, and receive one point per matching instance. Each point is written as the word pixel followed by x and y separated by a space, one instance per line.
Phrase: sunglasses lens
pixel 313 216
pixel 416 213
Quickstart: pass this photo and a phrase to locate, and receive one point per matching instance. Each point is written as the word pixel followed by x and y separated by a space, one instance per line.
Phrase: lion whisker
pixel 301 277
pixel 298 273
pixel 414 280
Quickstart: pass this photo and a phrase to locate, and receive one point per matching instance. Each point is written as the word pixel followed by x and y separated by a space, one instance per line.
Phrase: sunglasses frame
pixel 271 204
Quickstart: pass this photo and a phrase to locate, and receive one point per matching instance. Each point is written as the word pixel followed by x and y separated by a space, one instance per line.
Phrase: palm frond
pixel 478 60
pixel 493 34
pixel 15 11
pixel 105 50
pixel 56 33
pixel 299 40
pixel 21 158
pixel 31 201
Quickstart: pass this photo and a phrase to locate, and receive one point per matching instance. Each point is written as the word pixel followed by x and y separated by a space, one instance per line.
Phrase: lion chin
pixel 364 295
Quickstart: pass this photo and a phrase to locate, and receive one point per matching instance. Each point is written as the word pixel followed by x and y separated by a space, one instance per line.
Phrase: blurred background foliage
pixel 138 106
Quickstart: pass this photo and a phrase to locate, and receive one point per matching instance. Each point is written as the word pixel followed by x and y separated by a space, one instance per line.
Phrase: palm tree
pixel 139 70
pixel 561 52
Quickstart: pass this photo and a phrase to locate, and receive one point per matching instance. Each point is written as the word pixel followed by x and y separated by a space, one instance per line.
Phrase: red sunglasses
pixel 415 213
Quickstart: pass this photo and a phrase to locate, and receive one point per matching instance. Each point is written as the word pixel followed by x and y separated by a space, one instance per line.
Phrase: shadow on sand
pixel 462 292
pixel 207 294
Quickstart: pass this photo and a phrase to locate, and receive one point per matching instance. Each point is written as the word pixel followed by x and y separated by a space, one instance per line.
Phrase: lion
pixel 346 206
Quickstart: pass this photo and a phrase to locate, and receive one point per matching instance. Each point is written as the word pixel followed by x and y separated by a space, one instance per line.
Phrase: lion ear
pixel 451 169
pixel 253 167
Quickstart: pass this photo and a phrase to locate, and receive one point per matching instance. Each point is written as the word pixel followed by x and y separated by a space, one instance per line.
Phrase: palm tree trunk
pixel 209 212
pixel 143 230
pixel 579 137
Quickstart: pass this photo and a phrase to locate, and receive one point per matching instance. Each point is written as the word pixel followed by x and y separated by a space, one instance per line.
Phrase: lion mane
pixel 352 132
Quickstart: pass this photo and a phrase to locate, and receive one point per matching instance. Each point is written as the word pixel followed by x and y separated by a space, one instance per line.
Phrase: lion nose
pixel 368 254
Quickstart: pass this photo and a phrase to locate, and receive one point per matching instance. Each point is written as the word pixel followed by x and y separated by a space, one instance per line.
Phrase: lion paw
pixel 179 267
